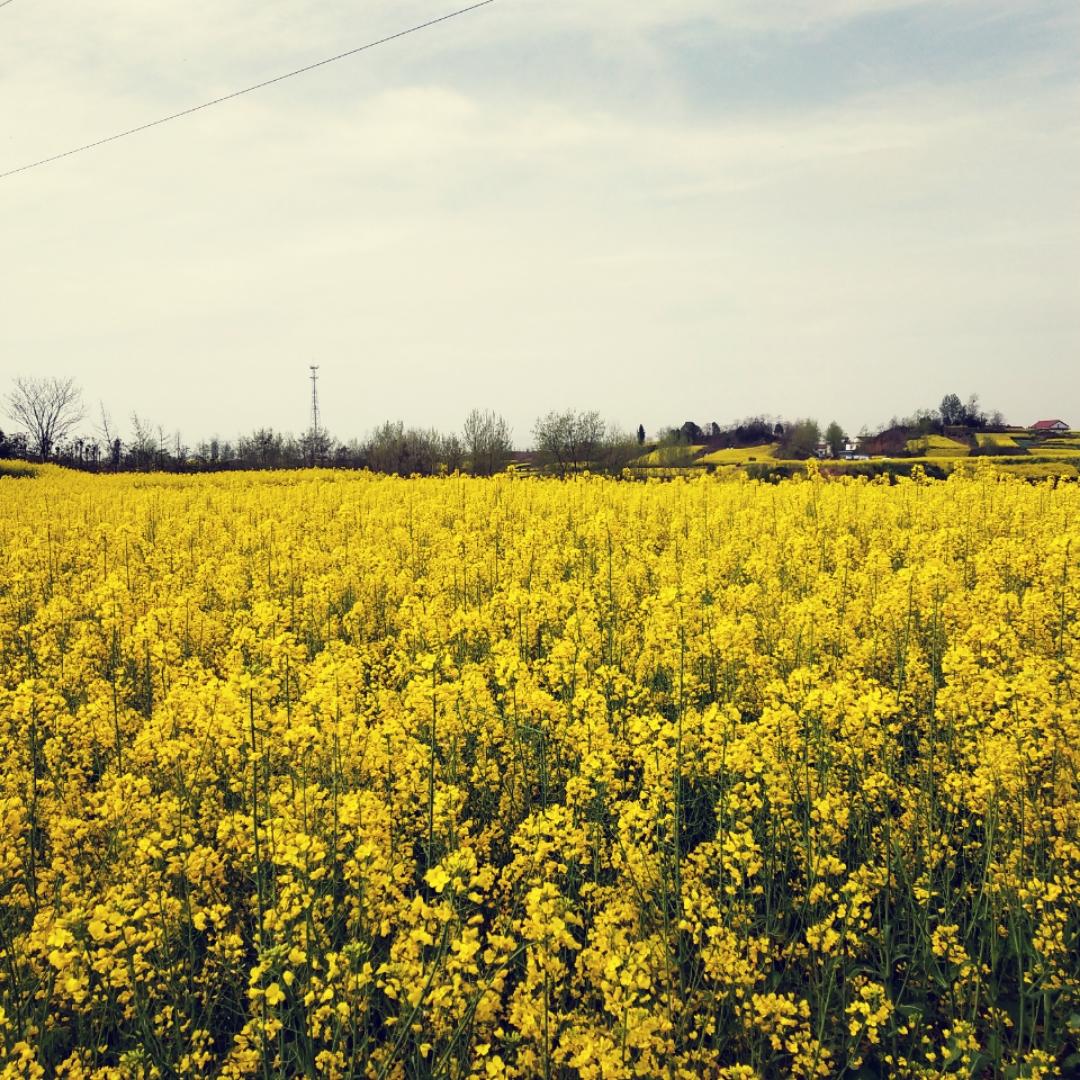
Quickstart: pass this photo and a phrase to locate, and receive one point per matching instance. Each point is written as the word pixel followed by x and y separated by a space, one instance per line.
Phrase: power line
pixel 246 90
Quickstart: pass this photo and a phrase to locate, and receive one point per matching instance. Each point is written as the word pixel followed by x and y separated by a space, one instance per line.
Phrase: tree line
pixel 804 437
pixel 54 425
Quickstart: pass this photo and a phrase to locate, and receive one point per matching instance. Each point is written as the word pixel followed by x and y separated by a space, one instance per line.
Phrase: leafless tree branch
pixel 48 407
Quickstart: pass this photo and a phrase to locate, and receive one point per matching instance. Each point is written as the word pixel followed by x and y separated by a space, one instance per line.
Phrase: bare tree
pixel 615 450
pixel 107 433
pixel 568 440
pixel 48 407
pixel 180 452
pixel 453 452
pixel 105 424
pixel 393 448
pixel 317 444
pixel 142 442
pixel 488 442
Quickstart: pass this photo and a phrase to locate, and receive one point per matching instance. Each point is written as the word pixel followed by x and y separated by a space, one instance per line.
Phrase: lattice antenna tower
pixel 314 412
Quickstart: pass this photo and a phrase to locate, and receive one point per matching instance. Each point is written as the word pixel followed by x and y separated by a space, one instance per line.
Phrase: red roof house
pixel 1049 425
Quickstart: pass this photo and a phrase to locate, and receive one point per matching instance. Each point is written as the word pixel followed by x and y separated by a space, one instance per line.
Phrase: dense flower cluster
pixel 337 775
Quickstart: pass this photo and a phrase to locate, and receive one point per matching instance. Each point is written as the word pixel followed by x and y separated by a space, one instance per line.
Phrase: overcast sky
pixel 686 209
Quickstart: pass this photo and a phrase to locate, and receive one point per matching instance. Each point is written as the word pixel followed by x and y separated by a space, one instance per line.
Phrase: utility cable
pixel 246 90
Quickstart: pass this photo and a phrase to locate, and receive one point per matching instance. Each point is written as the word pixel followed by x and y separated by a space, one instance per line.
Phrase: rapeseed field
pixel 938 446
pixel 321 774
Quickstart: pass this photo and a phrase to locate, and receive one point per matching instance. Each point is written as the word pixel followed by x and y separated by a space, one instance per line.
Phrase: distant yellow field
pixel 1033 470
pixel 660 472
pixel 667 456
pixel 938 446
pixel 1056 451
pixel 996 438
pixel 740 455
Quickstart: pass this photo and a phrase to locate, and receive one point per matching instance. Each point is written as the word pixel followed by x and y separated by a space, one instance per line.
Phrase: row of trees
pixel 797 439
pixel 803 438
pixel 951 413
pixel 53 418
pixel 570 441
pixel 50 413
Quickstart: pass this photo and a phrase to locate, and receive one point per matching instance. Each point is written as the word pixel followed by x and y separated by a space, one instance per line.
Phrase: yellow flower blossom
pixel 352 775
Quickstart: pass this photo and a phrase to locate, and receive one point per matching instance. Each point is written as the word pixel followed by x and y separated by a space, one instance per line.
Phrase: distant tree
pixel 89 452
pixel 262 449
pixel 690 432
pixel 752 431
pixel 952 410
pixel 800 440
pixel 162 457
pixel 384 450
pixel 393 448
pixel 316 446
pixel 14 445
pixel 553 434
pixel 487 442
pixel 973 414
pixel 453 453
pixel 568 440
pixel 778 430
pixel 615 450
pixel 293 452
pixel 835 439
pixel 356 454
pixel 924 421
pixel 424 451
pixel 105 427
pixel 49 408
pixel 641 434
pixel 142 446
